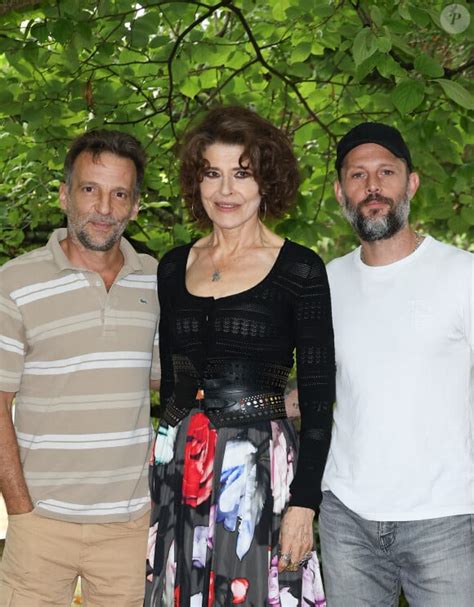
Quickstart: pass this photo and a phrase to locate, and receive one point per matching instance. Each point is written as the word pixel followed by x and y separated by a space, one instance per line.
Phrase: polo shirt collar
pixel 132 262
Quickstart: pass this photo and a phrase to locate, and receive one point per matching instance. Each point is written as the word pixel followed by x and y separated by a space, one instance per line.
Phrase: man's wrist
pixel 18 505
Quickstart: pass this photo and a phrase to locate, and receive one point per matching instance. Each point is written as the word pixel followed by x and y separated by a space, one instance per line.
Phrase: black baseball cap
pixel 373 132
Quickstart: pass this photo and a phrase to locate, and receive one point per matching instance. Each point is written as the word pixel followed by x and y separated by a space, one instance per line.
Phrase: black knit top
pixel 288 311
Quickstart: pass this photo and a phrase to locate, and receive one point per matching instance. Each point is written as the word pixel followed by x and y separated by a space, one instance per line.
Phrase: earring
pixel 263 205
pixel 192 211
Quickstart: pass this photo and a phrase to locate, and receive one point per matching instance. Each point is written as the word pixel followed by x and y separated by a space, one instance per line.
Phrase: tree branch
pixel 291 84
pixel 15 5
pixel 175 48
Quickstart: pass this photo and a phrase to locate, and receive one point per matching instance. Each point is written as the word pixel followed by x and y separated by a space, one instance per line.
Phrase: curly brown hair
pixel 267 151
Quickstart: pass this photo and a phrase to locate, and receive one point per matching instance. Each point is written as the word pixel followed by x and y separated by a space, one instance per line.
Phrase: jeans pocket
pixel 329 502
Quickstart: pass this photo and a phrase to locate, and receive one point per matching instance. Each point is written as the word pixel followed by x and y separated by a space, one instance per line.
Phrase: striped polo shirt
pixel 80 360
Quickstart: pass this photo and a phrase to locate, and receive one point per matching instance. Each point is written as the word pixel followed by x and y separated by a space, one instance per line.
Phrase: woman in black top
pixel 234 494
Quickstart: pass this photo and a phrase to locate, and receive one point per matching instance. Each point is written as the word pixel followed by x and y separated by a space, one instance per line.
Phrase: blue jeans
pixel 365 563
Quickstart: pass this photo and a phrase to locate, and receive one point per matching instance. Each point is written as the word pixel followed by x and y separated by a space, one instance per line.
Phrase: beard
pixel 77 227
pixel 377 227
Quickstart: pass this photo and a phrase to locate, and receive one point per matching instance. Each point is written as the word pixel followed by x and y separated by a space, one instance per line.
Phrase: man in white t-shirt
pixel 398 488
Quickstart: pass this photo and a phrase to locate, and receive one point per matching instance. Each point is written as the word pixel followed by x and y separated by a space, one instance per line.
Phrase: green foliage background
pixel 314 68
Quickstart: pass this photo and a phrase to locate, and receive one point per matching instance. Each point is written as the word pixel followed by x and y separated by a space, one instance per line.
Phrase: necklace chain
pixel 217 273
pixel 418 240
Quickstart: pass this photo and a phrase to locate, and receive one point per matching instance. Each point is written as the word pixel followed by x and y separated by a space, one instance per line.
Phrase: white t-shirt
pixel 402 445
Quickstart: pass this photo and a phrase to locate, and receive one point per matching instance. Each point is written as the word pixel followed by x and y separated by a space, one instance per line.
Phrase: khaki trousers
pixel 43 559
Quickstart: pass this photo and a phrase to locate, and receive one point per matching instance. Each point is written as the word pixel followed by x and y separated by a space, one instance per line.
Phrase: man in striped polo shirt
pixel 78 350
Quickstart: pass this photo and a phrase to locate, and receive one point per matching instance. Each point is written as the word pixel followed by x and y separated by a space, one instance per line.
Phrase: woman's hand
pixel 296 537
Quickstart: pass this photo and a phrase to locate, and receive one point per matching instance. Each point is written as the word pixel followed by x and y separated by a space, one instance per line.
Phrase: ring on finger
pixel 286 556
pixel 305 558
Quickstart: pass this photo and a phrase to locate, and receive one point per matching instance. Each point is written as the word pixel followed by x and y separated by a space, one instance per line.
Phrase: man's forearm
pixel 12 482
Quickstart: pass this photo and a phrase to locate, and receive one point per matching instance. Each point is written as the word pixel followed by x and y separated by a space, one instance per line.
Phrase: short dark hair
pixel 267 150
pixel 115 142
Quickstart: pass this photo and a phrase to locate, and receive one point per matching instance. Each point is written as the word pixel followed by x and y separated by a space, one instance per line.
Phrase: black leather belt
pixel 244 407
pixel 230 392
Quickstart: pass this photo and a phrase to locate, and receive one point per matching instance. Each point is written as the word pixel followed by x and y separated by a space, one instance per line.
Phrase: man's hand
pixel 12 482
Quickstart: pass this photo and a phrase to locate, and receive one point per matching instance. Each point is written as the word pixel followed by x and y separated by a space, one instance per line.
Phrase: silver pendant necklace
pixel 217 274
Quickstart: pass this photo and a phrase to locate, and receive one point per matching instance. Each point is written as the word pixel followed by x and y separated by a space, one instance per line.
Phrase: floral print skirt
pixel 219 498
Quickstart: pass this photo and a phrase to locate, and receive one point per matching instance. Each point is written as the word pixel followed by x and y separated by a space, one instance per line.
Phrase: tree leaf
pixel 279 9
pixel 400 43
pixel 301 52
pixel 305 134
pixel 365 45
pixel 384 44
pixel 367 66
pixel 190 87
pixel 428 66
pixel 418 15
pixel 441 211
pixel 457 93
pixel 467 213
pixel 387 66
pixel 457 224
pixel 181 233
pixel 408 95
pixel 39 31
pixel 376 15
pixel 62 30
pixel 403 11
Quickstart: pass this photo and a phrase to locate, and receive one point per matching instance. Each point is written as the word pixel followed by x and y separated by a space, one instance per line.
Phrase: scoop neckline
pixel 240 293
